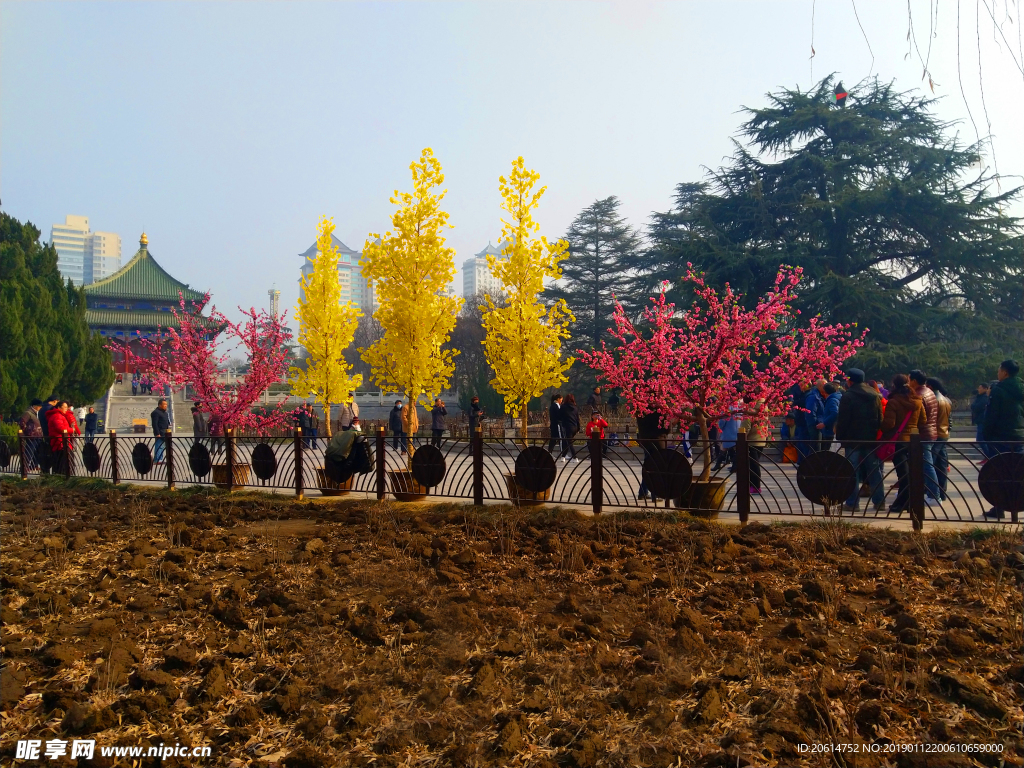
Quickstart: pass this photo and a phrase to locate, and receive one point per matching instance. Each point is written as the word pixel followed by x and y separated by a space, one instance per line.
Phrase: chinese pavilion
pixel 135 302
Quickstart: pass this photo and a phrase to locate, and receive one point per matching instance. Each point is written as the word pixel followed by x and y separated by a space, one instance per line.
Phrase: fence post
pixel 477 442
pixel 915 502
pixel 229 444
pixel 742 477
pixel 596 472
pixel 21 453
pixel 115 475
pixel 299 488
pixel 381 464
pixel 169 450
pixel 67 455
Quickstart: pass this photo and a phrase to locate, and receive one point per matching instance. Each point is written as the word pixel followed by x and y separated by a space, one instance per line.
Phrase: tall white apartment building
pixel 476 275
pixel 354 287
pixel 83 256
pixel 103 255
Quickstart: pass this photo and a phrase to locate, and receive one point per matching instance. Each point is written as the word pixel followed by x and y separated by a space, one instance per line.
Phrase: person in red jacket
pixel 597 425
pixel 59 420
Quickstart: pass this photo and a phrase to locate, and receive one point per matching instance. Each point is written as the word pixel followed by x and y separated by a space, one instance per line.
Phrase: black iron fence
pixel 953 480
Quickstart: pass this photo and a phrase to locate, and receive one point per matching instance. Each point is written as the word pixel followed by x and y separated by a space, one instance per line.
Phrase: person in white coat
pixel 348 412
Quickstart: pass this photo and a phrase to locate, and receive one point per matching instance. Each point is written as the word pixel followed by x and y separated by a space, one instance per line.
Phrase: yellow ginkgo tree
pixel 326 328
pixel 411 268
pixel 524 338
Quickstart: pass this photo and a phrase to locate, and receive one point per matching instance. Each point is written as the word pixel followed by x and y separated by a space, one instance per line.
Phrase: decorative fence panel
pixel 955 480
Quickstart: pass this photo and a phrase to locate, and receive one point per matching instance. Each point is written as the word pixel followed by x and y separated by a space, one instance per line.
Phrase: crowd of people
pixel 873 423
pixel 45 425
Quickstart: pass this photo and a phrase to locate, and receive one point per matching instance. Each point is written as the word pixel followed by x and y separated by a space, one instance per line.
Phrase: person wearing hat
pixel 857 425
pixel 32 430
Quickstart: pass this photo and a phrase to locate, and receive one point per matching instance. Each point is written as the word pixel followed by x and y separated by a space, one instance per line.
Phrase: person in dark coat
pixel 314 427
pixel 476 414
pixel 800 435
pixel 857 425
pixel 91 419
pixel 1004 419
pixel 570 423
pixel 979 404
pixel 555 420
pixel 613 402
pixel 397 427
pixel 830 411
pixel 652 436
pixel 200 425
pixel 303 422
pixel 32 430
pixel 44 414
pixel 437 425
pixel 815 405
pixel 161 423
pixel 596 400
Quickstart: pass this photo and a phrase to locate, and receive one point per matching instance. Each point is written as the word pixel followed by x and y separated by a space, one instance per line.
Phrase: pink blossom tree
pixel 697 365
pixel 190 357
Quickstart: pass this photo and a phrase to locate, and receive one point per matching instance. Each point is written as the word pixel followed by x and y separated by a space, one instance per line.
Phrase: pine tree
pixel 524 339
pixel 46 346
pixel 602 246
pixel 884 211
pixel 326 329
pixel 411 269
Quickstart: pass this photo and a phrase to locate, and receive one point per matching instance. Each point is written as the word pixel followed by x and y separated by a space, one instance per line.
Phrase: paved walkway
pixel 780 500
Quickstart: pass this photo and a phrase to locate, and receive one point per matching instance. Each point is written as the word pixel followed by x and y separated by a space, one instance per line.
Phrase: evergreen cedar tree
pixel 326 329
pixel 45 344
pixel 695 366
pixel 893 222
pixel 596 270
pixel 523 337
pixel 411 268
pixel 190 357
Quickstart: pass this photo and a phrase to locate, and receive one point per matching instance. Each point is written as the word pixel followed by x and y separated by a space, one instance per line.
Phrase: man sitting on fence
pixel 347 454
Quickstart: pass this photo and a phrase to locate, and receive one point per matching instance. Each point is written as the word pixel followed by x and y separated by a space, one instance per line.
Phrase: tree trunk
pixel 524 431
pixel 705 473
pixel 327 419
pixel 411 422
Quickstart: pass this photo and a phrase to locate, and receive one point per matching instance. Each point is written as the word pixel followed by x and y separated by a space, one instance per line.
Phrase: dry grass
pixel 505 636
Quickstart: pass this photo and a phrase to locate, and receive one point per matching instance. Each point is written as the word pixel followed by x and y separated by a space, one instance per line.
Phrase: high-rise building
pixel 103 256
pixel 275 302
pixel 83 256
pixel 476 275
pixel 70 239
pixel 354 287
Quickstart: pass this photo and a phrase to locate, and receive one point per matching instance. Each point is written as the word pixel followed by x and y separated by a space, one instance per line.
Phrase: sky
pixel 225 130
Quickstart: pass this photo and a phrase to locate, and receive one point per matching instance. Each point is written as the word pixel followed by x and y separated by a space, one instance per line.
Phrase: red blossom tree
pixel 190 358
pixel 696 366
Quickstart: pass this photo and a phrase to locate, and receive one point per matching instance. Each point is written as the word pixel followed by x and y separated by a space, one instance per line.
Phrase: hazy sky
pixel 225 130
